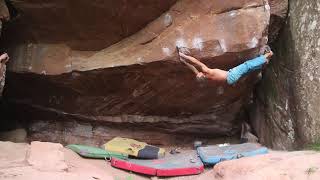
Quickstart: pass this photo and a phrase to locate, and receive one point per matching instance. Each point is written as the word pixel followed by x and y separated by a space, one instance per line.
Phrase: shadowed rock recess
pixel 289 94
pixel 4 16
pixel 74 78
pixel 2 77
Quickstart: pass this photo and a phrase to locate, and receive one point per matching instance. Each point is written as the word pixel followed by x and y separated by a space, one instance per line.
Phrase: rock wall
pixel 81 25
pixel 4 16
pixel 279 11
pixel 2 77
pixel 64 70
pixel 289 94
pixel 295 165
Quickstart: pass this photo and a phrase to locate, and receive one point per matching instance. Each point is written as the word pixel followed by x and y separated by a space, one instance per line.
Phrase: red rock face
pixel 138 81
pixel 82 25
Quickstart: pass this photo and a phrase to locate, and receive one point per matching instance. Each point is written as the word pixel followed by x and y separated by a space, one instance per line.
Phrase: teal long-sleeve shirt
pixel 236 73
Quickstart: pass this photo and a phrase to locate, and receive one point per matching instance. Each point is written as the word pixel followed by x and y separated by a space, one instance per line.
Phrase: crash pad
pixel 186 163
pixel 94 152
pixel 211 155
pixel 134 148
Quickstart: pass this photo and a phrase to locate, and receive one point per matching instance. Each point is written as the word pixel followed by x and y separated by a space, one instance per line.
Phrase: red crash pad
pixel 186 163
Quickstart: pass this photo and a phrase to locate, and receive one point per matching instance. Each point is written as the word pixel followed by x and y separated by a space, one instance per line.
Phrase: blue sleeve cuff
pixel 236 73
pixel 256 63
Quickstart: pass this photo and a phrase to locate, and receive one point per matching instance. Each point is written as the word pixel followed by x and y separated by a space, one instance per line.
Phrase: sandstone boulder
pixel 136 83
pixel 79 24
pixel 279 11
pixel 273 166
pixel 13 154
pixel 16 135
pixel 45 156
pixel 289 94
pixel 19 161
pixel 4 16
pixel 2 77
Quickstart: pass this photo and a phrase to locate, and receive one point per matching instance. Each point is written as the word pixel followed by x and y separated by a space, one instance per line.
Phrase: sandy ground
pixel 51 161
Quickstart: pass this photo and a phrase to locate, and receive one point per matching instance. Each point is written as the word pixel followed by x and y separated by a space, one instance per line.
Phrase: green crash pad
pixel 94 152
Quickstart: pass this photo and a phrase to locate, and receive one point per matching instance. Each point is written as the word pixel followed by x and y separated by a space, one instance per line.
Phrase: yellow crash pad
pixel 134 148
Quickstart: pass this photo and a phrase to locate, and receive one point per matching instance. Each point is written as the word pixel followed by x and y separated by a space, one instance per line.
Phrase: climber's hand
pixel 268 55
pixel 4 58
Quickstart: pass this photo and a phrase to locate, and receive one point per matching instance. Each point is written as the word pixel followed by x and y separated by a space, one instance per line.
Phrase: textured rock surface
pixel 45 156
pixel 17 135
pixel 2 77
pixel 138 80
pixel 96 134
pixel 290 91
pixel 198 26
pixel 13 154
pixel 16 158
pixel 274 166
pixel 279 11
pixel 4 16
pixel 82 25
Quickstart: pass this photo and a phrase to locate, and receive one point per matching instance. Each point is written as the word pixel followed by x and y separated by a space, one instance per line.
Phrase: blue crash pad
pixel 211 155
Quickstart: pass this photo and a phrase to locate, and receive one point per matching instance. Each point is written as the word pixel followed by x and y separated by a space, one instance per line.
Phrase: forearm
pixel 256 63
pixel 236 73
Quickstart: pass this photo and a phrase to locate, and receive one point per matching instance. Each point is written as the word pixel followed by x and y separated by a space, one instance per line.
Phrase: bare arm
pixel 204 68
